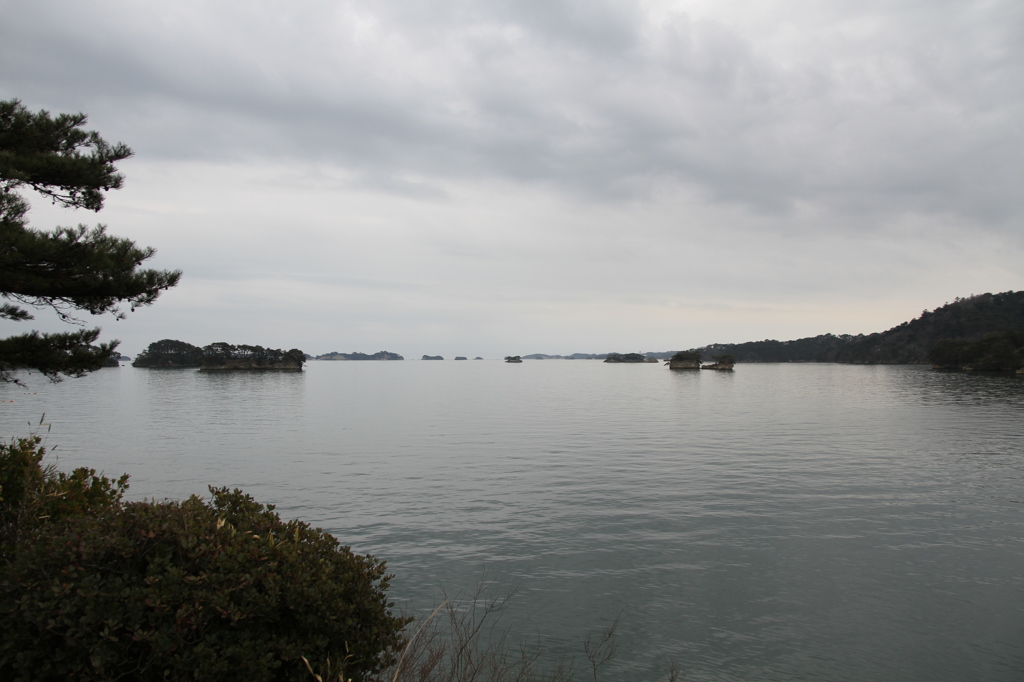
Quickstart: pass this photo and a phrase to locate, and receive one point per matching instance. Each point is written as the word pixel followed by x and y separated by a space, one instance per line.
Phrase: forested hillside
pixel 970 319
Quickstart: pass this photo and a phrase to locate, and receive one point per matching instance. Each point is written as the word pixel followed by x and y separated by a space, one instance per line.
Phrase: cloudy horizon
pixel 468 178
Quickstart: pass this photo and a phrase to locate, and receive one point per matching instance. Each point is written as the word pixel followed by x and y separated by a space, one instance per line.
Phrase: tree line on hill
pixel 173 353
pixel 995 353
pixel 969 320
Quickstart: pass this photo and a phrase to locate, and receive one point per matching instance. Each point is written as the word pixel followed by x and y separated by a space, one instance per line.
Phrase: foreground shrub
pixel 196 590
pixel 34 496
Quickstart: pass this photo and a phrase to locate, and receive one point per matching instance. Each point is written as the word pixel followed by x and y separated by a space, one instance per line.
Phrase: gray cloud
pixel 500 167
pixel 890 106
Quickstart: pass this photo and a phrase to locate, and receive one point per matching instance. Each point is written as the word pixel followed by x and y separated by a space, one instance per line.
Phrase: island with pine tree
pixel 170 353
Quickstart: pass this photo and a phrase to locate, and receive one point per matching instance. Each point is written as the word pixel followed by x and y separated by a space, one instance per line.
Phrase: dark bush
pixel 196 590
pixel 33 496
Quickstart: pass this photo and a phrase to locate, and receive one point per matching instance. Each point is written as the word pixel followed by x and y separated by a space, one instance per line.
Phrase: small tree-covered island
pixel 344 357
pixel 691 359
pixel 170 353
pixel 627 358
pixel 721 362
pixel 684 359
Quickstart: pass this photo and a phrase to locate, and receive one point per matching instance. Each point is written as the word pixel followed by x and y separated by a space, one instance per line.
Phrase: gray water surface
pixel 779 522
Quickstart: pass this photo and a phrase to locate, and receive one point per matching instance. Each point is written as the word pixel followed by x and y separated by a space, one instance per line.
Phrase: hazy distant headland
pixel 988 331
pixel 983 326
pixel 966 319
pixel 379 355
pixel 170 353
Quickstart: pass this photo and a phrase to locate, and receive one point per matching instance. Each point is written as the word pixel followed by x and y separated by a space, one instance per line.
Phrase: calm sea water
pixel 780 522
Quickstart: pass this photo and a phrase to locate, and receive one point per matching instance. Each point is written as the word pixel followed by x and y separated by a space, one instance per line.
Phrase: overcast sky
pixel 496 177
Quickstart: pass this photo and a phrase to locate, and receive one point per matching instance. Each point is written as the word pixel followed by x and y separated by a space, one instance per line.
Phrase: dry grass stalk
pixel 468 644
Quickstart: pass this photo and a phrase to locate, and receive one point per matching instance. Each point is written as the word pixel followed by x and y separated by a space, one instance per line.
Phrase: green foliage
pixel 995 353
pixel 226 356
pixel 55 157
pixel 92 588
pixel 823 348
pixel 69 268
pixel 77 267
pixel 686 356
pixel 949 354
pixel 169 353
pixel 33 495
pixel 197 590
pixel 379 355
pixel 624 357
pixel 71 354
pixel 724 359
pixel 969 319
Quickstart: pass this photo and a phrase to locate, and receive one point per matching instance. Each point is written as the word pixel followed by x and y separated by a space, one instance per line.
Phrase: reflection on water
pixel 971 387
pixel 777 522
